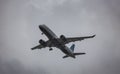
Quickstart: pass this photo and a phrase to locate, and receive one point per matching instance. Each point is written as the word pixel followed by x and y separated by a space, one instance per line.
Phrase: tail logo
pixel 72 47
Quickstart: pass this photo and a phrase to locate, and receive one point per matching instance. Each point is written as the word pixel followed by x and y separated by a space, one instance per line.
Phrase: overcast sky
pixel 19 32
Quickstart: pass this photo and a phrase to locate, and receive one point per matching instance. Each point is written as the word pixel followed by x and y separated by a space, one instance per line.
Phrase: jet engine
pixel 42 42
pixel 63 38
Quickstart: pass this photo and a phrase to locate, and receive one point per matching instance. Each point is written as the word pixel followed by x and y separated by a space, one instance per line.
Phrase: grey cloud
pixel 107 67
pixel 19 32
pixel 16 67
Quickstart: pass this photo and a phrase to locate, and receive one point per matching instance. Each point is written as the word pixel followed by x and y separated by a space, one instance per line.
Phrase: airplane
pixel 60 43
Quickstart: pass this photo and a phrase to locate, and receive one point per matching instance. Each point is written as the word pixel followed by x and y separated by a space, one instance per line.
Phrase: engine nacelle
pixel 63 38
pixel 42 42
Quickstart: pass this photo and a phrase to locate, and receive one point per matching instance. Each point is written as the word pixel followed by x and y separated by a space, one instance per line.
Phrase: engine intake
pixel 42 42
pixel 63 38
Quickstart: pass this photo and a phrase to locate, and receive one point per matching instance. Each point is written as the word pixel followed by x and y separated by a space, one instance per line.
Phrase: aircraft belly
pixel 66 50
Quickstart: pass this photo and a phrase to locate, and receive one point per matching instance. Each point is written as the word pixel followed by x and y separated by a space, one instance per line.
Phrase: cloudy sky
pixel 19 21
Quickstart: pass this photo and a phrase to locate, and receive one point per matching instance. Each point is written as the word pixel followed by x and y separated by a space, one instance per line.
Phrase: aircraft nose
pixel 39 26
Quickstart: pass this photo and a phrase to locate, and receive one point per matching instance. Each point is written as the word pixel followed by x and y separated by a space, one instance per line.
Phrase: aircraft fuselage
pixel 55 41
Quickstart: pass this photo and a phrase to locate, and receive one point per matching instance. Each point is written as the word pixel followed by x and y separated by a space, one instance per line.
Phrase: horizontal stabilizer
pixel 79 53
pixel 65 56
pixel 37 47
pixel 34 48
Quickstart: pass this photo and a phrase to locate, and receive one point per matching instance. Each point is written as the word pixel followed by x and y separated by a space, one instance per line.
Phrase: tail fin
pixel 72 47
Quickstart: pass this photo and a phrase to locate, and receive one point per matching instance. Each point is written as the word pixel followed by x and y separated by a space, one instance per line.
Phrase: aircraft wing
pixel 77 39
pixel 37 47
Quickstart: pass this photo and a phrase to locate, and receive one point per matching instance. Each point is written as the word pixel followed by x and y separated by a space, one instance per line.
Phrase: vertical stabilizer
pixel 72 47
